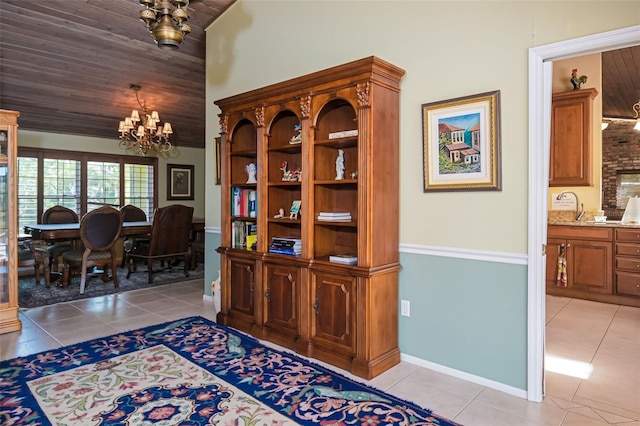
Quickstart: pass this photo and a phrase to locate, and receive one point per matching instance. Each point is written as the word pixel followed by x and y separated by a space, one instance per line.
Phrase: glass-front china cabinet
pixel 9 320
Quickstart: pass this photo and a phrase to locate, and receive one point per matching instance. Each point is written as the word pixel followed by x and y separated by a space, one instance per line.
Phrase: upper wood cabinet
pixel 571 138
pixel 329 142
pixel 9 320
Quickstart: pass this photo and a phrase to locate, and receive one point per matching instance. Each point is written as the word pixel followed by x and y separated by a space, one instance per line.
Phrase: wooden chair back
pixel 131 213
pixel 171 230
pixel 100 228
pixel 59 214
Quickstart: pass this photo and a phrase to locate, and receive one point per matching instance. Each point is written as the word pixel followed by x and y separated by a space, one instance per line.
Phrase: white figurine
pixel 340 165
pixel 251 171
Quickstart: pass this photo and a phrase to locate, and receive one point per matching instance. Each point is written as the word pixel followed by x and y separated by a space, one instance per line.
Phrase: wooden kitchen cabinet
pixel 603 263
pixel 330 142
pixel 589 259
pixel 627 263
pixel 571 138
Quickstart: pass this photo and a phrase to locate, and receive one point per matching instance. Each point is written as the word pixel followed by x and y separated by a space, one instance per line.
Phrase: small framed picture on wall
pixel 180 180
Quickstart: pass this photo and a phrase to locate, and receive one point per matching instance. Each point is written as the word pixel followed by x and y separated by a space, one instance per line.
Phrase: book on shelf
pixel 343 134
pixel 239 232
pixel 334 216
pixel 235 201
pixel 244 202
pixel 347 259
pixel 287 251
pixel 291 239
pixel 285 244
pixel 253 203
pixel 251 241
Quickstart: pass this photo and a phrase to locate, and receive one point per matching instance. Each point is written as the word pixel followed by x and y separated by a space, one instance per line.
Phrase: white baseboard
pixel 520 393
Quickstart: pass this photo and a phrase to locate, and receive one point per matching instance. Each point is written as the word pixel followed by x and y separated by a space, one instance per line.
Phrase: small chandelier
pixel 167 21
pixel 141 133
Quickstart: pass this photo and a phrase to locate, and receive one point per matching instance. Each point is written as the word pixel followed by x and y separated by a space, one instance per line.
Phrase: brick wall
pixel 620 153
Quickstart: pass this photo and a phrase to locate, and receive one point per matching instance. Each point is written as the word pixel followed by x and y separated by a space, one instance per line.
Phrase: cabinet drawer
pixel 580 232
pixel 631 235
pixel 627 249
pixel 628 264
pixel 628 284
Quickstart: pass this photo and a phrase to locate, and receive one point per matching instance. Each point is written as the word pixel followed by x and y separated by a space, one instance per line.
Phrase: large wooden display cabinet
pixel 9 320
pixel 346 315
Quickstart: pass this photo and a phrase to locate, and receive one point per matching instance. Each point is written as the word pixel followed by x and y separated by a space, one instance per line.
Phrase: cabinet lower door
pixel 281 286
pixel 333 319
pixel 241 288
pixel 590 266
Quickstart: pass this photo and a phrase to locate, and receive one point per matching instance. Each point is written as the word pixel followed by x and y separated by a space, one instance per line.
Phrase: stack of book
pixel 291 246
pixel 347 259
pixel 334 216
pixel 239 233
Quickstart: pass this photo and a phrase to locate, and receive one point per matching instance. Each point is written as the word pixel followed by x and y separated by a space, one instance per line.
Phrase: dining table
pixel 52 232
pixel 71 231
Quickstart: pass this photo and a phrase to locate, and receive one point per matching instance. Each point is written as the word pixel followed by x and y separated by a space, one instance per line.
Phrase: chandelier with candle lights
pixel 142 131
pixel 167 21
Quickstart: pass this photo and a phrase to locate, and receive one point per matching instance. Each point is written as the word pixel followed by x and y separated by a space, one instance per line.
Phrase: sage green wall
pixel 110 146
pixel 449 49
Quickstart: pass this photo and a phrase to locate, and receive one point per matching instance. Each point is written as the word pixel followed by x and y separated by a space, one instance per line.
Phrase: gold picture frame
pixel 461 143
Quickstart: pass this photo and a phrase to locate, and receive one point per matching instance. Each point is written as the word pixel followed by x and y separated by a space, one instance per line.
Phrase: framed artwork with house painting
pixel 180 181
pixel 461 143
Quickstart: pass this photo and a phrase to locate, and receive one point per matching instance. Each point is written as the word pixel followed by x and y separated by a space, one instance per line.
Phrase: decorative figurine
pixel 290 175
pixel 340 165
pixel 354 175
pixel 251 171
pixel 577 81
pixel 280 214
pixel 297 138
pixel 295 209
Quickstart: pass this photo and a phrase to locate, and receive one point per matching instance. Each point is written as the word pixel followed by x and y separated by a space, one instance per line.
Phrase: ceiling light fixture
pixel 636 109
pixel 167 21
pixel 141 133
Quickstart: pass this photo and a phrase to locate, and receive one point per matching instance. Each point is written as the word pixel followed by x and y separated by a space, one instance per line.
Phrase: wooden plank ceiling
pixel 620 82
pixel 67 65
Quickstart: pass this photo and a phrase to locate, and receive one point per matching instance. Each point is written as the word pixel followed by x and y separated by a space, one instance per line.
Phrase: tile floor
pixel 602 340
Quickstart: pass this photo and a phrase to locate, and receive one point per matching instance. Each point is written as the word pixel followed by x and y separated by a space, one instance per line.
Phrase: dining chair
pixel 170 232
pixel 131 213
pixel 99 231
pixel 58 214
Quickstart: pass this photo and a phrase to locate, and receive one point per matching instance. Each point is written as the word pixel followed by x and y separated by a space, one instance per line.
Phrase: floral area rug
pixel 189 372
pixel 31 295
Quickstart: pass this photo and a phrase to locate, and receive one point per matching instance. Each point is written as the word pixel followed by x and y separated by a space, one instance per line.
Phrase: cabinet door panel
pixel 333 309
pixel 589 265
pixel 242 286
pixel 281 287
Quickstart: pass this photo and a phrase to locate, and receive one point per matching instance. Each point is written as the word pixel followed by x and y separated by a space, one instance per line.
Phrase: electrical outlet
pixel 405 308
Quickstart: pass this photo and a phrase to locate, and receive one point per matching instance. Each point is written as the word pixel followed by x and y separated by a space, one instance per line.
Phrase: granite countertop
pixel 564 217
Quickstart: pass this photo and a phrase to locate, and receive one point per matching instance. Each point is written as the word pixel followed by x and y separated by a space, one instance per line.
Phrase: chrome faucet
pixel 579 206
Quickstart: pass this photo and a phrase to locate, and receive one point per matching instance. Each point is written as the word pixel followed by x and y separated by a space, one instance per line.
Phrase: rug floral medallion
pixel 189 372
